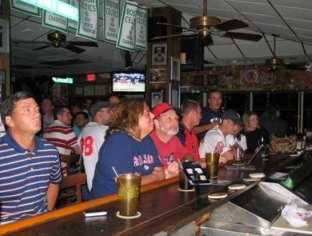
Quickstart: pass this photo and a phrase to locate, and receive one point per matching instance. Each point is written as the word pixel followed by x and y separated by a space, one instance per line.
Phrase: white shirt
pixel 231 140
pixel 210 141
pixel 90 140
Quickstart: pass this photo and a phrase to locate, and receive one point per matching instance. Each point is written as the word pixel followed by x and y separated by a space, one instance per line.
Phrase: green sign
pixel 71 23
pixel 66 80
pixel 23 7
pixel 111 20
pixel 56 6
pixel 88 19
pixel 54 21
pixel 141 28
pixel 126 33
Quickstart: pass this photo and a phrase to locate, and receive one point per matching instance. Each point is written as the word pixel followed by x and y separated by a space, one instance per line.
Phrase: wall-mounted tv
pixel 128 81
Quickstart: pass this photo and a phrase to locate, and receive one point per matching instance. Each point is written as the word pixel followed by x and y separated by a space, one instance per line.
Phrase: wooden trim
pixel 66 211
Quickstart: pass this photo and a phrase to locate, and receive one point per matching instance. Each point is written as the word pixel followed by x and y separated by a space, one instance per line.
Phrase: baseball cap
pixel 96 107
pixel 233 116
pixel 161 108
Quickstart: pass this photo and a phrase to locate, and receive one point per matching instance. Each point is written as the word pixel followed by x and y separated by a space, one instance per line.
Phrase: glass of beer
pixel 184 185
pixel 238 156
pixel 128 191
pixel 212 164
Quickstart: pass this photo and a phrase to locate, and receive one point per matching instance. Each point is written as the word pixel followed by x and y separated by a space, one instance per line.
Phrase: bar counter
pixel 163 208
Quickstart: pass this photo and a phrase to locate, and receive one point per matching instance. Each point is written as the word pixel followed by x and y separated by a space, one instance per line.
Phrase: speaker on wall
pixel 193 47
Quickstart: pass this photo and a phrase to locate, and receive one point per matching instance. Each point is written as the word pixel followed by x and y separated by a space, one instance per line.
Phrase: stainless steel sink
pixel 251 213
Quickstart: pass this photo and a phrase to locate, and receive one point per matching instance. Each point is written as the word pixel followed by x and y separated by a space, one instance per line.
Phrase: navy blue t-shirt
pixel 126 155
pixel 207 115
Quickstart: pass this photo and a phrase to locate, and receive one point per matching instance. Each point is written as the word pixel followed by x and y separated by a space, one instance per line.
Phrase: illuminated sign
pixel 66 80
pixel 91 77
pixel 56 6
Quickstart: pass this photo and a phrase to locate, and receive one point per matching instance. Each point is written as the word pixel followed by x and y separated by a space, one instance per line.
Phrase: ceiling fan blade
pixel 231 25
pixel 171 25
pixel 74 48
pixel 30 42
pixel 83 43
pixel 42 47
pixel 243 36
pixel 173 36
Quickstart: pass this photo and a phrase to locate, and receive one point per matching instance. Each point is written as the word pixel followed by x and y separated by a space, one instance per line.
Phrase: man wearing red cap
pixel 168 145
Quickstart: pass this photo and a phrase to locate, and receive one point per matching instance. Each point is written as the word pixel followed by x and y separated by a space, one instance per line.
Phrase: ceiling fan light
pixel 274 61
pixel 204 21
pixel 56 43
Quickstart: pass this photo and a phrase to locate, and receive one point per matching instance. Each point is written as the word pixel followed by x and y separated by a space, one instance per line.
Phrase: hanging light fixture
pixel 274 63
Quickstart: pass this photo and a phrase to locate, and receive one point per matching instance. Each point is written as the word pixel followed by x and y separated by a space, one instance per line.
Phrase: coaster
pixel 186 190
pixel 294 155
pixel 238 164
pixel 258 175
pixel 237 186
pixel 138 214
pixel 250 179
pixel 216 196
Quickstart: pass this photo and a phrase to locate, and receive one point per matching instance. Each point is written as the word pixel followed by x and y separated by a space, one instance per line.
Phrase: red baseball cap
pixel 161 108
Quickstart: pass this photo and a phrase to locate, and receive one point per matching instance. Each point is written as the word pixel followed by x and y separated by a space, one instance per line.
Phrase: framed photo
pixel 174 94
pixel 158 75
pixel 159 54
pixel 175 69
pixel 157 97
pixel 4 36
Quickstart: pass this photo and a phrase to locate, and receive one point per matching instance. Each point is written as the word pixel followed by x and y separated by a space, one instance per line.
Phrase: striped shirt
pixel 63 137
pixel 25 177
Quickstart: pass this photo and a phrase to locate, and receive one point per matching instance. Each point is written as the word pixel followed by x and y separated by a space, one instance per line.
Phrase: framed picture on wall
pixel 157 96
pixel 4 36
pixel 159 54
pixel 158 75
pixel 174 94
pixel 174 69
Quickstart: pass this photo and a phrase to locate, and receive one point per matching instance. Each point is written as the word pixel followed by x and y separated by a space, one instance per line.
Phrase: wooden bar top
pixel 162 206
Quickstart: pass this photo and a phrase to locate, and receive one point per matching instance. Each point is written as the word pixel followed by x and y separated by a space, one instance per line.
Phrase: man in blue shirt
pixel 211 115
pixel 29 166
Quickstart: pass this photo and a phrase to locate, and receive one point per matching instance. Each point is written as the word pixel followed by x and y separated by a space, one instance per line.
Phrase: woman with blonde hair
pixel 127 148
pixel 255 135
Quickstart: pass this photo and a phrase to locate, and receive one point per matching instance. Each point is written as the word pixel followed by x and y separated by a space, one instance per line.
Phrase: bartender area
pixel 152 117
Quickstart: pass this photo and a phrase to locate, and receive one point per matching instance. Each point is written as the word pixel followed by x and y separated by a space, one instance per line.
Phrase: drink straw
pixel 180 164
pixel 115 171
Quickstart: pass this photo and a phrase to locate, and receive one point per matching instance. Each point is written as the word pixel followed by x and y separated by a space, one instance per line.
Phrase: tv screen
pixel 128 82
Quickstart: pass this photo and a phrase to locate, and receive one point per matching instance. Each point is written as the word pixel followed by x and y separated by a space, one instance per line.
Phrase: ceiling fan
pixel 205 26
pixel 58 39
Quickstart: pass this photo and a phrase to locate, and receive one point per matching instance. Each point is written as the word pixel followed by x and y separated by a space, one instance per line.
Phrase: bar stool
pixel 70 189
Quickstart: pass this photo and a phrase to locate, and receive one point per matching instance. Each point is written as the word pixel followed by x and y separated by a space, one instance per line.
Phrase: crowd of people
pixel 107 138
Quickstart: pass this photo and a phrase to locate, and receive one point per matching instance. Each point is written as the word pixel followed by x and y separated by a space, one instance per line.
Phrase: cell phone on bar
pixel 94 213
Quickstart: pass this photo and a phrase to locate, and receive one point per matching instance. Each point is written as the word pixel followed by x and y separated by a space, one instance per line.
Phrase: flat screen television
pixel 128 82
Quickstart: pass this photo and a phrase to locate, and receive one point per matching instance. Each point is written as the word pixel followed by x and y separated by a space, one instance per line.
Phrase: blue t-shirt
pixel 207 115
pixel 126 155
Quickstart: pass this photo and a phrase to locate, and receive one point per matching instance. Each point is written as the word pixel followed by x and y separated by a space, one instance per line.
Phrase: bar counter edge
pixel 66 211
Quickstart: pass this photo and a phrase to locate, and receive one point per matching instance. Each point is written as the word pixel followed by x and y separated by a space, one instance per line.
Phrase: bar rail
pixel 70 210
